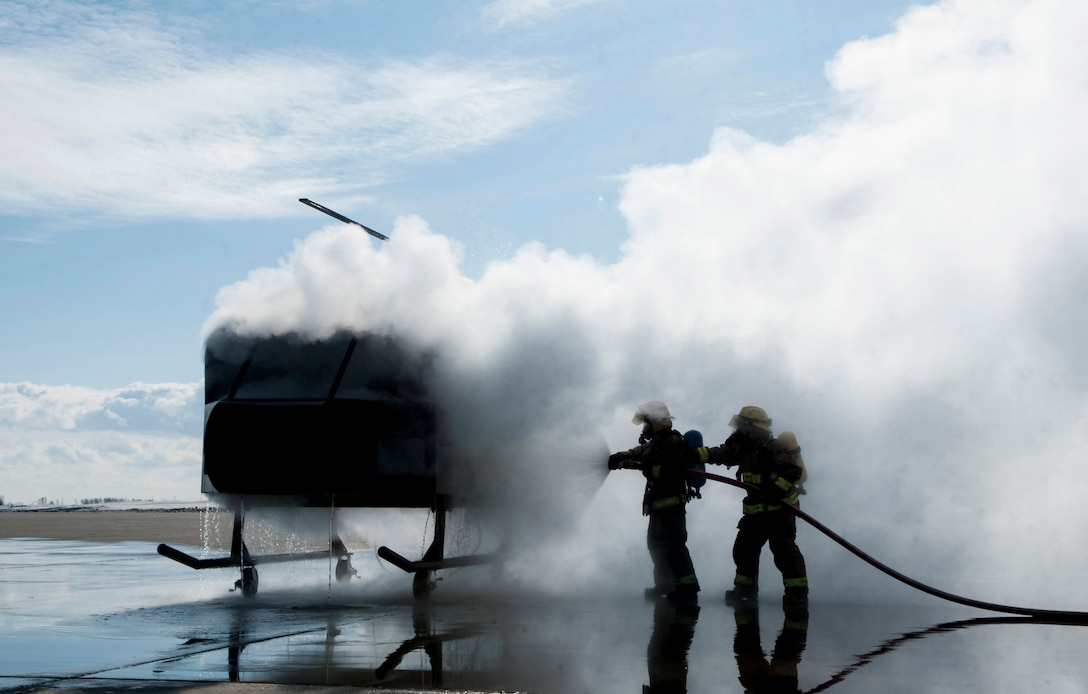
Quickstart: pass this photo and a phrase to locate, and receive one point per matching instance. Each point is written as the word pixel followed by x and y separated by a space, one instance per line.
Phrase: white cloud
pixel 71 465
pixel 70 442
pixel 137 407
pixel 503 13
pixel 893 286
pixel 113 113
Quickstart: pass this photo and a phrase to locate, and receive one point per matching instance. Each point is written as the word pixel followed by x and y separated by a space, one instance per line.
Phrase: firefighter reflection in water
pixel 779 676
pixel 670 641
pixel 774 467
pixel 663 458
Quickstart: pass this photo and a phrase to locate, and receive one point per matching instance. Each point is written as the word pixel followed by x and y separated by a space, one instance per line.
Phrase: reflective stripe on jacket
pixel 664 465
pixel 765 464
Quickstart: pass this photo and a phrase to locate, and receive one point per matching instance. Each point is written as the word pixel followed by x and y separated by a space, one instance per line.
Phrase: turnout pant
pixel 667 538
pixel 778 529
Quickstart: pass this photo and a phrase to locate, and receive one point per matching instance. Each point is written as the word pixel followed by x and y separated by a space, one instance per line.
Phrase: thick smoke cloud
pixel 902 287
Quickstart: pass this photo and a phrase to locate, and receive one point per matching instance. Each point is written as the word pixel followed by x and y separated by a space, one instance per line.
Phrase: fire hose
pixel 1058 616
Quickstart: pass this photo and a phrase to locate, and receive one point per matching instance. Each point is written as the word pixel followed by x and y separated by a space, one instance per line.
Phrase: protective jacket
pixel 763 463
pixel 664 459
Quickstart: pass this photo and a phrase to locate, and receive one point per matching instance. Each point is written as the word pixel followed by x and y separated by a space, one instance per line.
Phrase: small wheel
pixel 422 585
pixel 248 582
pixel 344 570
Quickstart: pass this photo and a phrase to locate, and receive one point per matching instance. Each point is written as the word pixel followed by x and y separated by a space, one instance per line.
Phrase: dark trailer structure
pixel 343 422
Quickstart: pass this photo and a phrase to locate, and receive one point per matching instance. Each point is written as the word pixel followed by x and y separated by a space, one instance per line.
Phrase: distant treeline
pixel 46 501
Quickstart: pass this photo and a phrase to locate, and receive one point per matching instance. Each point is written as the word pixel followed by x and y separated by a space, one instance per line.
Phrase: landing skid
pixel 423 580
pixel 246 563
pixel 423 571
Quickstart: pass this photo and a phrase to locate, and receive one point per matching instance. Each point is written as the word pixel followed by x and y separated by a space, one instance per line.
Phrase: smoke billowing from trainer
pixel 902 287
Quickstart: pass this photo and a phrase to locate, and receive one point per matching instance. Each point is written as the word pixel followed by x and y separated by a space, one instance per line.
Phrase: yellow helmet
pixel 789 440
pixel 751 416
pixel 654 412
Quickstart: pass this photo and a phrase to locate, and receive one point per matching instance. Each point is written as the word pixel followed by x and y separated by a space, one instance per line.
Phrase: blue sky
pixel 170 147
pixel 866 217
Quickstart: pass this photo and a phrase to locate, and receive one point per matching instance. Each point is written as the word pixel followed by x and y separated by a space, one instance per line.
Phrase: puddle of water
pixel 120 612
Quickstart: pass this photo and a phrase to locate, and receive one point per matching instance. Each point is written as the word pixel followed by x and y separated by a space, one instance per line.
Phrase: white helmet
pixel 654 412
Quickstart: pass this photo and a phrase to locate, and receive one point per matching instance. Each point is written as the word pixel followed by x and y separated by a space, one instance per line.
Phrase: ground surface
pixel 86 604
pixel 182 527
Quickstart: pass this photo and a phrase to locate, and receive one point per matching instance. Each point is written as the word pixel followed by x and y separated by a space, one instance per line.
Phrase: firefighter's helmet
pixel 789 440
pixel 751 416
pixel 653 412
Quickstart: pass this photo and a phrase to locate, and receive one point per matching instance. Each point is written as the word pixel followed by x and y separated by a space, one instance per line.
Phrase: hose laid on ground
pixel 1061 616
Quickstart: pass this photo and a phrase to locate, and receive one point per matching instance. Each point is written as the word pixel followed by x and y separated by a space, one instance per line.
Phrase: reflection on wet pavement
pixel 670 641
pixel 780 672
pixel 115 617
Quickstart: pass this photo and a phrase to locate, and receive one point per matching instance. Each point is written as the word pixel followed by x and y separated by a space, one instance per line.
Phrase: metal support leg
pixel 422 583
pixel 239 554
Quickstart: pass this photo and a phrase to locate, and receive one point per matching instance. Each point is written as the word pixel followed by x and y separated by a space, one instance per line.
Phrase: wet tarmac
pixel 82 616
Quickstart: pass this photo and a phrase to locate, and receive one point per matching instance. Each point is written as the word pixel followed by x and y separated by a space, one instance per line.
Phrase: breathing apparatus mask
pixel 647 414
pixel 647 432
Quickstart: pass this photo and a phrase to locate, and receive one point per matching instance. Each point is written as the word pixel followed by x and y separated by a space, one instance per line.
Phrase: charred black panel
pixel 293 417
pixel 342 447
pixel 293 366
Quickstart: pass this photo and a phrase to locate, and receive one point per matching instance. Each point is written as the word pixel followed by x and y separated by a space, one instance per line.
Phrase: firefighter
pixel 663 457
pixel 766 463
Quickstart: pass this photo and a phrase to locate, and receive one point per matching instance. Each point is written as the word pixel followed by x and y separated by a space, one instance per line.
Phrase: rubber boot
pixel 741 595
pixel 795 600
pixel 683 595
pixel 656 592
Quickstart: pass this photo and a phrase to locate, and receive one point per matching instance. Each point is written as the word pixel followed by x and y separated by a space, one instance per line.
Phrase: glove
pixel 725 454
pixel 732 453
pixel 777 488
pixel 615 461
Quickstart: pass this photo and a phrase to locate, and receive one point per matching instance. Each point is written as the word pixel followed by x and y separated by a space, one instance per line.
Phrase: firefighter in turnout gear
pixel 663 458
pixel 764 462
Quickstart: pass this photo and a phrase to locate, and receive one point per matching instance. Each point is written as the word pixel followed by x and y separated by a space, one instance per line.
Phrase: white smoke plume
pixel 902 287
